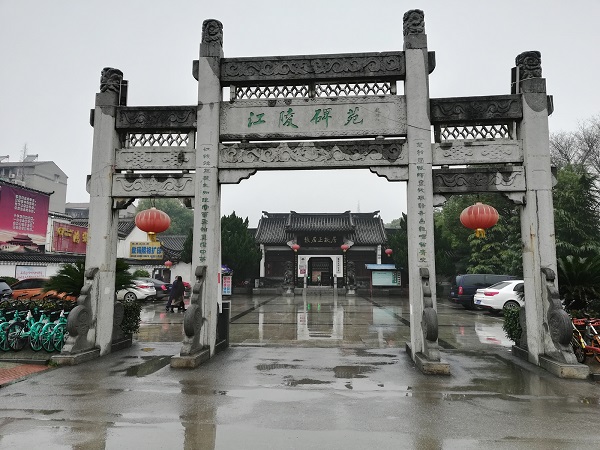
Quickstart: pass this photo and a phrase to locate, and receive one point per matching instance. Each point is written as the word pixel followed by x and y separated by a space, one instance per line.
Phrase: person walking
pixel 177 289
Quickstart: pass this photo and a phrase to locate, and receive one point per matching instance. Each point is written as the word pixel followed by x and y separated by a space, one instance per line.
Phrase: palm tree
pixel 71 277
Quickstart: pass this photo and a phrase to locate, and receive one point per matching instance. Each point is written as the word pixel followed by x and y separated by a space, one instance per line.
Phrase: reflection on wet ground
pixel 332 321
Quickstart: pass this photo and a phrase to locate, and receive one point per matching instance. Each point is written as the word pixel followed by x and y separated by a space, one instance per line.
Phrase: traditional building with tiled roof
pixel 320 249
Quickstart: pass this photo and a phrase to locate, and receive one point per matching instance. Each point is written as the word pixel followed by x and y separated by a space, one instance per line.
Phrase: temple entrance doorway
pixel 320 271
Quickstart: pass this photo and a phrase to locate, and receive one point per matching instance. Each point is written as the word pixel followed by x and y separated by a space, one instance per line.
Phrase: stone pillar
pixel 206 250
pixel 262 260
pixel 103 221
pixel 421 258
pixel 546 321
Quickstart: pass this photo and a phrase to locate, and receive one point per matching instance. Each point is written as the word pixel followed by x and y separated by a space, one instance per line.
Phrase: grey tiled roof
pixel 126 225
pixel 47 258
pixel 362 228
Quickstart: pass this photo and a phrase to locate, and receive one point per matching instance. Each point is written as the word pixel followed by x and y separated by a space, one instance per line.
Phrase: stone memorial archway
pixel 481 144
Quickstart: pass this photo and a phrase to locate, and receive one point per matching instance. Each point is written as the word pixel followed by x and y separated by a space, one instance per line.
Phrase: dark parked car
pixel 162 288
pixel 5 289
pixel 464 286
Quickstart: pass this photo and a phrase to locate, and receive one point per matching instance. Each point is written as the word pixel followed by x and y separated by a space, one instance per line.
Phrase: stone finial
pixel 110 80
pixel 529 64
pixel 212 32
pixel 414 22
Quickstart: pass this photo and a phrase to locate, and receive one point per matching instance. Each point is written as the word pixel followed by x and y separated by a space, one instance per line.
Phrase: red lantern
pixel 295 247
pixel 152 221
pixel 344 247
pixel 478 217
pixel 168 264
pixel 388 251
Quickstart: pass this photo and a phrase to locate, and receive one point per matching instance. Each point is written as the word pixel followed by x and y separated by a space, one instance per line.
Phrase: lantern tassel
pixel 480 233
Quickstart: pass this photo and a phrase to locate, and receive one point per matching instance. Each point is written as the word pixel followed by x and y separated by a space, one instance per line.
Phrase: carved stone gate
pixel 481 144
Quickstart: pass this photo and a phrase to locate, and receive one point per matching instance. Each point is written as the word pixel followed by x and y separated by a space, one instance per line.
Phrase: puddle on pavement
pixel 148 367
pixel 275 366
pixel 304 381
pixel 352 371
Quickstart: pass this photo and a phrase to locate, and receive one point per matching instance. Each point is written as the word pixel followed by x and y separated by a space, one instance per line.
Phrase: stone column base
pixel 190 361
pixel 427 366
pixel 75 359
pixel 561 370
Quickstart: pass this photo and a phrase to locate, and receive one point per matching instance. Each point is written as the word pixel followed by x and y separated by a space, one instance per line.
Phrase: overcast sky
pixel 52 52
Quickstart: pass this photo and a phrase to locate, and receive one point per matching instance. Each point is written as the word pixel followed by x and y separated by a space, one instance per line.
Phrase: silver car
pixel 141 290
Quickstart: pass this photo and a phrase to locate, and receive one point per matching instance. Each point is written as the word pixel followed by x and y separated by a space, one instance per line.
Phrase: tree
pixel 182 218
pixel 398 242
pixel 576 207
pixel 186 253
pixel 238 248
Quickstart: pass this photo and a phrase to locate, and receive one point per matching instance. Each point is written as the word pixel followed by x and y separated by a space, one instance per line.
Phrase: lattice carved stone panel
pixel 478 152
pixel 157 140
pixel 489 131
pixel 511 179
pixel 318 90
pixel 303 155
pixel 143 186
pixel 155 158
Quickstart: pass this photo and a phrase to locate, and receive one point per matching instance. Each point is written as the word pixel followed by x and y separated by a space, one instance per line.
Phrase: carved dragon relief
pixel 473 152
pixel 318 66
pixel 478 181
pixel 234 155
pixel 159 158
pixel 139 186
pixel 157 118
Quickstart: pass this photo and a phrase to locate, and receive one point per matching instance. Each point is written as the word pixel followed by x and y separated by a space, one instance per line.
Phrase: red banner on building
pixel 69 238
pixel 23 219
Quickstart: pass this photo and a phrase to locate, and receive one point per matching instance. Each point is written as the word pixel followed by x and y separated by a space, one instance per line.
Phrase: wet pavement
pixel 305 373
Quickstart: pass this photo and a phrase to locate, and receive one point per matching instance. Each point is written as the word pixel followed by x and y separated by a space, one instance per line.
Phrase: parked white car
pixel 499 296
pixel 141 290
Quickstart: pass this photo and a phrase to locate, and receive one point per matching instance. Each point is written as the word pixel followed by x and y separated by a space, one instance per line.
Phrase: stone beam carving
pixel 313 118
pixel 475 109
pixel 152 185
pixel 355 66
pixel 155 158
pixel 194 319
pixel 80 317
pixel 110 80
pixel 478 152
pixel 391 173
pixel 485 179
pixel 529 64
pixel 156 118
pixel 235 176
pixel 313 155
pixel 413 22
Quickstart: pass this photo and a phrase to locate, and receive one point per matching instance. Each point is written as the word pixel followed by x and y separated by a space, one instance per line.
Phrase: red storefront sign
pixel 24 219
pixel 69 238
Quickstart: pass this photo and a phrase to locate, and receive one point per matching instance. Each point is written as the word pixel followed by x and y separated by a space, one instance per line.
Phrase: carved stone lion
pixel 110 79
pixel 212 32
pixel 414 22
pixel 529 64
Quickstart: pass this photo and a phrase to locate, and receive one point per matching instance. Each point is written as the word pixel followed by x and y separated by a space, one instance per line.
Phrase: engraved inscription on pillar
pixel 421 201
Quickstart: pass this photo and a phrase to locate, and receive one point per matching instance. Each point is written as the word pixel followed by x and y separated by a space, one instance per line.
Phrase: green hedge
pixel 511 326
pixel 131 316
